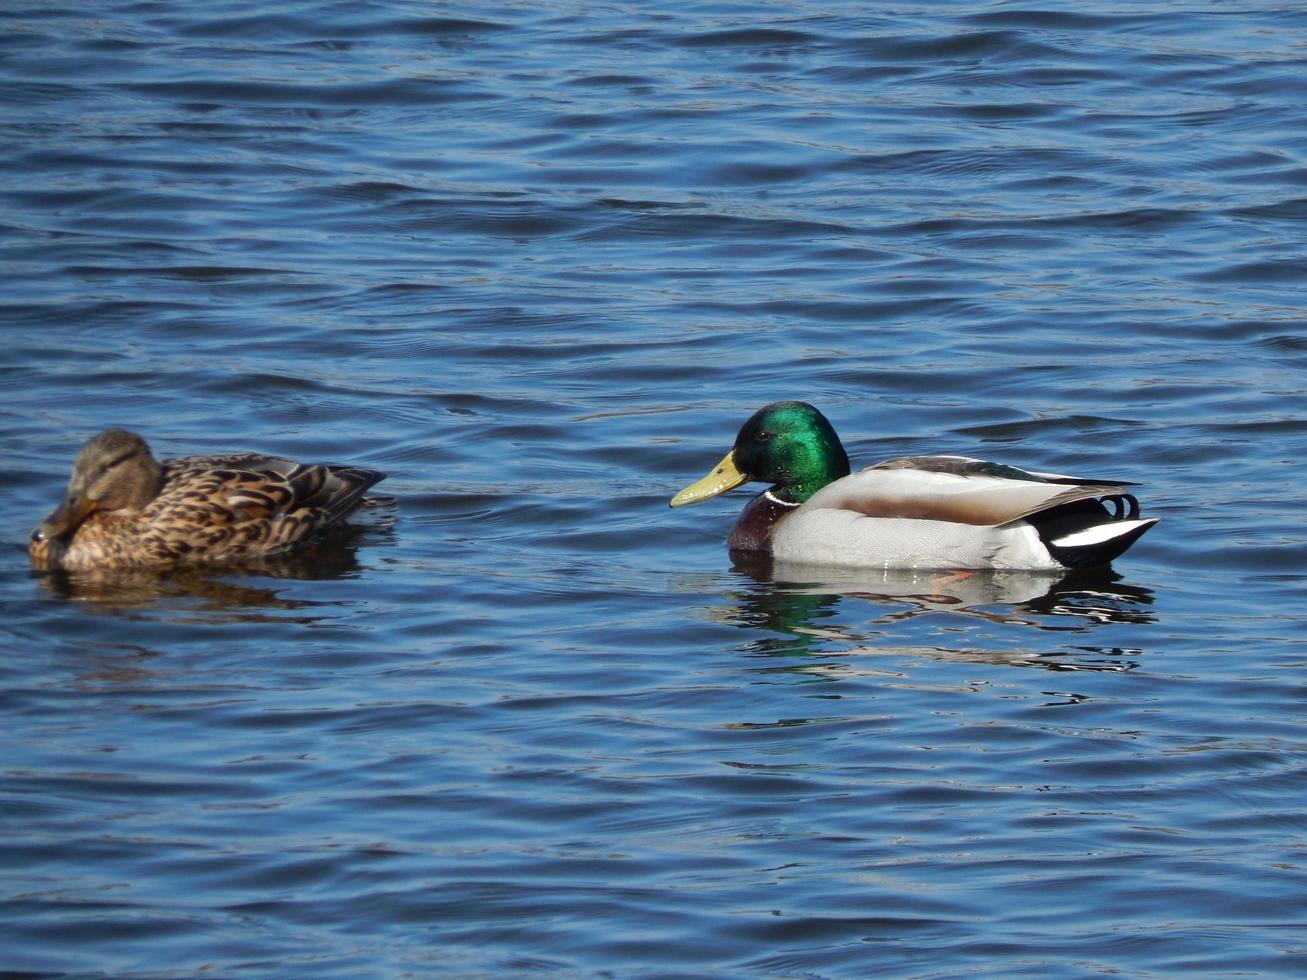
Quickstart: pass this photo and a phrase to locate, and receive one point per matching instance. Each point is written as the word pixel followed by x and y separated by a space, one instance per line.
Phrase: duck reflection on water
pixel 810 610
pixel 244 591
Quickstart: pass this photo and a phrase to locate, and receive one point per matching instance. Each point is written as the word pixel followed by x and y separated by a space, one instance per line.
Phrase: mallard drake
pixel 934 512
pixel 124 509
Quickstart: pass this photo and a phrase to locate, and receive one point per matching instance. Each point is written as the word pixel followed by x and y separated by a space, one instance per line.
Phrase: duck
pixel 912 512
pixel 126 510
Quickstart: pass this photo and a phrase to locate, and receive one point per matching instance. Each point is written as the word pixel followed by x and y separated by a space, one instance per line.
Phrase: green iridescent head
pixel 790 445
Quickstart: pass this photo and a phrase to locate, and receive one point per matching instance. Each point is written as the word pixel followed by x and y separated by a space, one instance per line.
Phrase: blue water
pixel 538 263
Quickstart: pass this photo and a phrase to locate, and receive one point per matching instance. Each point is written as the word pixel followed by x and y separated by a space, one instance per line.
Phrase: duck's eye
pixel 765 436
pixel 115 463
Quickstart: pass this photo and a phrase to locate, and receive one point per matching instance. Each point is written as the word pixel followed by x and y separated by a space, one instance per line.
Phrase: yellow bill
pixel 720 478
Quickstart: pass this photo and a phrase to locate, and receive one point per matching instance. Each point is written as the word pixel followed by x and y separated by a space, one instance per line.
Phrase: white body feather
pixel 827 536
pixel 903 517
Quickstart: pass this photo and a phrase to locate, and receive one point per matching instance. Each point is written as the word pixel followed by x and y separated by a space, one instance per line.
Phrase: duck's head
pixel 113 471
pixel 790 445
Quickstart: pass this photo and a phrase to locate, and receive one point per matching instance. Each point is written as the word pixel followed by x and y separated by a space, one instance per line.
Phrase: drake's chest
pixel 757 523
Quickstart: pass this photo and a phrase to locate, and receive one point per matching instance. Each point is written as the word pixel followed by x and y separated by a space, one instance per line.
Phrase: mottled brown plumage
pixel 124 509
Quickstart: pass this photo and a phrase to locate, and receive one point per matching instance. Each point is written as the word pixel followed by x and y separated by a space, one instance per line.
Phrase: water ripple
pixel 538 263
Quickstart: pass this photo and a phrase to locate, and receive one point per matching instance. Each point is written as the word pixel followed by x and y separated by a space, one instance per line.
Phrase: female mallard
pixel 932 512
pixel 124 509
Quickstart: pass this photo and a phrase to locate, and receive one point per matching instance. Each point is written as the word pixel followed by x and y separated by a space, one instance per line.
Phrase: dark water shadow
pixel 219 592
pixel 808 610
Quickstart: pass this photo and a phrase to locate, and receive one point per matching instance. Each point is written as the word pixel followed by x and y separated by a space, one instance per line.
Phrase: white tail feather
pixel 1098 534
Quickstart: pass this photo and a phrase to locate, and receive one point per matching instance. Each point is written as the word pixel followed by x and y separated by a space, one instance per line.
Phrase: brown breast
pixel 754 527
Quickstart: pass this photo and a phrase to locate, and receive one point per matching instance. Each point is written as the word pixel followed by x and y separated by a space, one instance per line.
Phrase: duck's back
pixel 957 512
pixel 222 508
